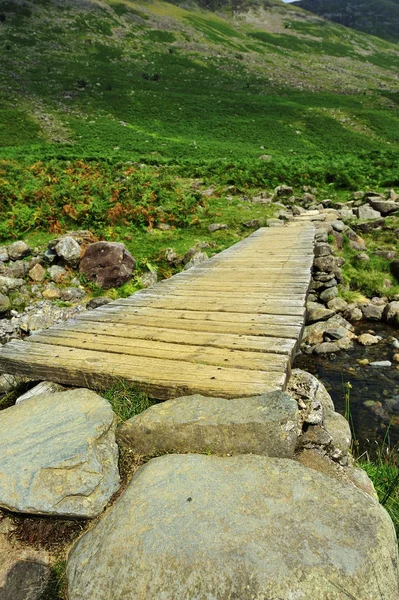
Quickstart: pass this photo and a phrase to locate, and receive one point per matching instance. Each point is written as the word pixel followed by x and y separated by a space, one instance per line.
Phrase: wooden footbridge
pixel 228 327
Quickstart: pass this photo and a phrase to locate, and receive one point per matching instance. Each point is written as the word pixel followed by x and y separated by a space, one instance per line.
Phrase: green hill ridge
pixel 376 17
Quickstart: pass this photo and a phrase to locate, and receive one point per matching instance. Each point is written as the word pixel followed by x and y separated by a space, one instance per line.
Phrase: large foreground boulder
pixel 245 528
pixel 265 425
pixel 58 455
pixel 108 264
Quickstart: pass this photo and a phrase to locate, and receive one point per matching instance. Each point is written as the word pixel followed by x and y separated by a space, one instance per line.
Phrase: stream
pixel 374 396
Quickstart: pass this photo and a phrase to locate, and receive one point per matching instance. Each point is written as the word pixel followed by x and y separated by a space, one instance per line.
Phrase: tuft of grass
pixel 126 400
pixel 382 466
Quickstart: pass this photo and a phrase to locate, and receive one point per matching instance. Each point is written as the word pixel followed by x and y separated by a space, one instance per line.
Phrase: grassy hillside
pixel 129 79
pixel 377 17
pixel 243 100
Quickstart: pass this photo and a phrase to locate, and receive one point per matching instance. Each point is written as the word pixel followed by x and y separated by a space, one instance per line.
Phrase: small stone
pixel 337 304
pixel 317 312
pixel 388 254
pixel 283 191
pixel 322 250
pixel 171 256
pixel 44 387
pixel 363 361
pixel 366 213
pixel 366 339
pixel 353 313
pixel 197 259
pixel 363 257
pixel 57 273
pixel 274 223
pixel 381 364
pixel 329 294
pixel 333 335
pixel 217 227
pixel 69 250
pixel 326 348
pixel 163 226
pixel 395 358
pixel 97 302
pixel 148 279
pixel 18 250
pixel 338 226
pixel 345 343
pixel 3 254
pixel 325 264
pixel 391 313
pixel 8 284
pixel 373 312
pixel 37 273
pixel 51 292
pixel 72 294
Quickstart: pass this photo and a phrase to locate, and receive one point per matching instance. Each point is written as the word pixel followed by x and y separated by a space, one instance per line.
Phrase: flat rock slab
pixel 245 527
pixel 59 455
pixel 264 425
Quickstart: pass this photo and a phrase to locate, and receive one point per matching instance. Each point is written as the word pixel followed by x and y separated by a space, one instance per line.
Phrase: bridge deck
pixel 228 327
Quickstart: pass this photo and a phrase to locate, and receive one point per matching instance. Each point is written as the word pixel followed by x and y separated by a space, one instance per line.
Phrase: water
pixel 377 387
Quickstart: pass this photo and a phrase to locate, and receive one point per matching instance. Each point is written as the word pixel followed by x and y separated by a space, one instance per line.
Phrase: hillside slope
pixel 377 17
pixel 118 78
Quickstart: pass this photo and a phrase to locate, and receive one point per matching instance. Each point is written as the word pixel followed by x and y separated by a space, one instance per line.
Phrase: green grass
pixel 126 400
pixel 382 466
pixel 370 278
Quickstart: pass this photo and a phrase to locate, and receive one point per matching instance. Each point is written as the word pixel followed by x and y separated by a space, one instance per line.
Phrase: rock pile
pixel 41 288
pixel 329 325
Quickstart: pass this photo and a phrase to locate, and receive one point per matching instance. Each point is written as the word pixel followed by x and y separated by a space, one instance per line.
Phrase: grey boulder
pixel 265 425
pixel 108 264
pixel 18 250
pixel 59 455
pixel 385 207
pixel 244 527
pixel 69 250
pixel 391 313
pixel 367 213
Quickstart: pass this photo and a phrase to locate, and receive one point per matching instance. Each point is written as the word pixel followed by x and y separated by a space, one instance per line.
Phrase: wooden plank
pixel 226 317
pixel 196 354
pixel 178 336
pixel 159 377
pixel 277 331
pixel 287 307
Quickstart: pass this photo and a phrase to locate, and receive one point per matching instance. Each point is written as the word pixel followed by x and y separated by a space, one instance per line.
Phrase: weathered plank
pixel 161 378
pixel 178 336
pixel 137 347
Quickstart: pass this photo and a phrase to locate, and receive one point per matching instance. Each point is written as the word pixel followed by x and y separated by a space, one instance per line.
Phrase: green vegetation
pixel 371 277
pixel 126 400
pixel 382 466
